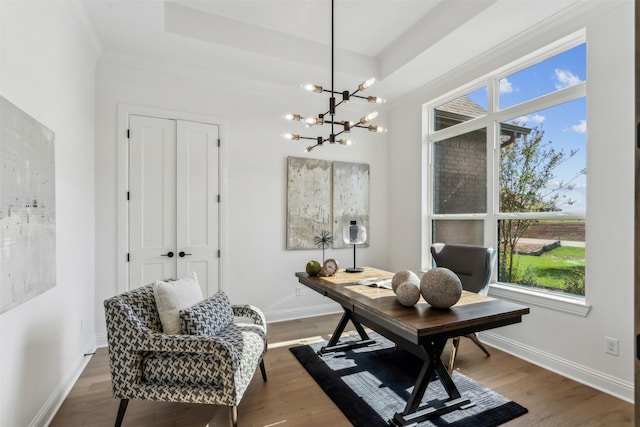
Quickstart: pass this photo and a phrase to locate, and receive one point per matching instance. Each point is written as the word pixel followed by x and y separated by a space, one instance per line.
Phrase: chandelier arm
pixel 359 96
pixel 356 91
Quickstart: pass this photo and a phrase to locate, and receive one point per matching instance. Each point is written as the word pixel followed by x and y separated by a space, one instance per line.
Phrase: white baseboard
pixel 45 415
pixel 101 340
pixel 604 382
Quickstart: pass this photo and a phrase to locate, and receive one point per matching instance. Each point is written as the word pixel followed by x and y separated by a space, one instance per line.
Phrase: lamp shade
pixel 354 234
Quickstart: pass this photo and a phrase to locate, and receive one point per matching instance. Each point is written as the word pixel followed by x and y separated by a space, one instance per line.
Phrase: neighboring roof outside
pixel 463 109
pixel 464 106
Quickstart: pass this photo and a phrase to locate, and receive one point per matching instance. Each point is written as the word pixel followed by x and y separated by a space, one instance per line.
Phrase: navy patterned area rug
pixel 370 384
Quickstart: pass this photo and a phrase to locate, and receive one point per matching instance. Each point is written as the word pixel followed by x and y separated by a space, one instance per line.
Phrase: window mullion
pixel 459 129
pixel 546 101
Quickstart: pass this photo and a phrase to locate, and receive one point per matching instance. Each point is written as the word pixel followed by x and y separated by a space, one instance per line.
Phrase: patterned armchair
pixel 212 367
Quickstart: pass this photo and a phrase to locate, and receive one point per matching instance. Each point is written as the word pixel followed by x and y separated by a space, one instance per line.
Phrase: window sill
pixel 575 306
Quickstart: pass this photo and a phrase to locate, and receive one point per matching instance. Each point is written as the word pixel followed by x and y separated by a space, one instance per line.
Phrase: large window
pixel 507 162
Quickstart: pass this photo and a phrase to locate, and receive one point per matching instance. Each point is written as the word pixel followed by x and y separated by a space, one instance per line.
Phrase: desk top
pixel 379 307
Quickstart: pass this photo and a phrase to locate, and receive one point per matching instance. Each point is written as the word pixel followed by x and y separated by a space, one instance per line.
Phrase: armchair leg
pixel 121 411
pixel 263 371
pixel 233 416
pixel 476 341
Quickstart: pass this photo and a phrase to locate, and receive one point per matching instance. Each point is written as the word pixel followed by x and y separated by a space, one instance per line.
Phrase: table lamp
pixel 354 234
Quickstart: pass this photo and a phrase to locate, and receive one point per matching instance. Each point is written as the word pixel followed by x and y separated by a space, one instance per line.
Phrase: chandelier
pixel 338 127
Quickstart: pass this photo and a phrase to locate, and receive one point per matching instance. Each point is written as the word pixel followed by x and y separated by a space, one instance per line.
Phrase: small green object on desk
pixel 313 268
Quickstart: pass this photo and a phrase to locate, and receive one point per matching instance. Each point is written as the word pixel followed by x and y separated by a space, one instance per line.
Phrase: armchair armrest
pixel 159 342
pixel 251 312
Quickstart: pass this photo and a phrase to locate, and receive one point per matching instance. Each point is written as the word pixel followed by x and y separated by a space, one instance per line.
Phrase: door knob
pixel 169 254
pixel 182 254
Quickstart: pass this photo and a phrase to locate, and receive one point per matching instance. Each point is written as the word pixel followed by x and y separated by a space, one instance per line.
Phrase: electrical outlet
pixel 298 291
pixel 611 345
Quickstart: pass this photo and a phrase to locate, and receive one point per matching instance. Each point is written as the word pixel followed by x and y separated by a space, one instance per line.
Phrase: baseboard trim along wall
pixel 45 415
pixel 606 383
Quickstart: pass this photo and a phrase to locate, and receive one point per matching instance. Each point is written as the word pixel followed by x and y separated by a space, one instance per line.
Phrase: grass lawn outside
pixel 551 269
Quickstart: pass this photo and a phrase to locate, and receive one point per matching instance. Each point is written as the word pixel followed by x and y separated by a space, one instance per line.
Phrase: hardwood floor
pixel 291 398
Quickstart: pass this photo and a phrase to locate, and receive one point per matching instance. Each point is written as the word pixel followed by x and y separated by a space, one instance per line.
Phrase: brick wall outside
pixel 460 174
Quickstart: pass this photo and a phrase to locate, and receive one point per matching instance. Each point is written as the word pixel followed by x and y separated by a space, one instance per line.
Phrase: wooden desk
pixel 421 329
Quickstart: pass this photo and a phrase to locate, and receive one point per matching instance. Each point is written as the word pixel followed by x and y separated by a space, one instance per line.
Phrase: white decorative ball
pixel 404 276
pixel 441 287
pixel 408 293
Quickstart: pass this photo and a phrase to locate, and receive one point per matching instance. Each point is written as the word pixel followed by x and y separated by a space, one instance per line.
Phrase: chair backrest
pixel 472 264
pixel 128 317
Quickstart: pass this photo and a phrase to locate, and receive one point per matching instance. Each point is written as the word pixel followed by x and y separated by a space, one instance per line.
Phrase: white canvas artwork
pixel 27 207
pixel 324 196
pixel 350 199
pixel 308 201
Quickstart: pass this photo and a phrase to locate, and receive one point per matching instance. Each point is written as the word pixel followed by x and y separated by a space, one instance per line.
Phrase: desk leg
pixel 412 414
pixel 333 345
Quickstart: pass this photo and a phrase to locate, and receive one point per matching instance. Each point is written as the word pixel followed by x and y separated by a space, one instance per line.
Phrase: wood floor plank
pixel 291 398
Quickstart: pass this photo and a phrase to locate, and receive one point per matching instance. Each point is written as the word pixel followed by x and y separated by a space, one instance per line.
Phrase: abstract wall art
pixel 27 207
pixel 308 200
pixel 324 196
pixel 350 199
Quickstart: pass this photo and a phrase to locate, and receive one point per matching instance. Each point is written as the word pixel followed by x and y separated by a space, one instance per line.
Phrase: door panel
pixel 173 206
pixel 197 202
pixel 152 210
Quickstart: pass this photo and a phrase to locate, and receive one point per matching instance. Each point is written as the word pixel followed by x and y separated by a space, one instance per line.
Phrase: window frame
pixel 491 122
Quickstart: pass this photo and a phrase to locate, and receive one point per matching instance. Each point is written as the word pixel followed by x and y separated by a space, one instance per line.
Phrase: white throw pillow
pixel 171 297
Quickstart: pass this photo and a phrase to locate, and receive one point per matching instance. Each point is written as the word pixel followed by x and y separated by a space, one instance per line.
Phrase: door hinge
pixel 128 258
pixel 128 196
pixel 218 142
pixel 218 198
pixel 128 134
pixel 218 253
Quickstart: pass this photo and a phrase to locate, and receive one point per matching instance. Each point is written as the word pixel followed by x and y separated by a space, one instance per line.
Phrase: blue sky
pixel 565 125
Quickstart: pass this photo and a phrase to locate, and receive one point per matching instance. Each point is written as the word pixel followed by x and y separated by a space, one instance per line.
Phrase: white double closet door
pixel 173 201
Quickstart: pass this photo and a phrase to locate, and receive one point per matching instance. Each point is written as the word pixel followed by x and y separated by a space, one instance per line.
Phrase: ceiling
pixel 403 43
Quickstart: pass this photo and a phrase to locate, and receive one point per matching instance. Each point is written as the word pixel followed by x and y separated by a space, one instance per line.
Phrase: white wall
pixel 258 269
pixel 47 68
pixel 570 344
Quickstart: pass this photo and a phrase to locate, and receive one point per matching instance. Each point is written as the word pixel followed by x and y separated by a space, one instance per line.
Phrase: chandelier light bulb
pixel 376 100
pixel 375 128
pixel 345 142
pixel 308 149
pixel 295 117
pixel 292 136
pixel 369 117
pixel 312 88
pixel 367 83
